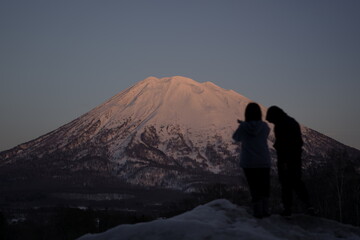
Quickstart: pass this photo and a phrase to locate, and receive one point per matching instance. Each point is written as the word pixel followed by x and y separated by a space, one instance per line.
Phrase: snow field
pixel 222 220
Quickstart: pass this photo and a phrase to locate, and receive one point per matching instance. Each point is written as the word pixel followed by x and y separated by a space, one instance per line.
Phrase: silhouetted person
pixel 288 145
pixel 255 158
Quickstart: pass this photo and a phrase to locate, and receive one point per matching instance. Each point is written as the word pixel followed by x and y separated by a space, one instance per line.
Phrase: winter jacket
pixel 288 135
pixel 254 148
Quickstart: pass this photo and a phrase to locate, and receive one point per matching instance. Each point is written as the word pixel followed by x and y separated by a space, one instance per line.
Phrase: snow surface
pixel 175 100
pixel 223 220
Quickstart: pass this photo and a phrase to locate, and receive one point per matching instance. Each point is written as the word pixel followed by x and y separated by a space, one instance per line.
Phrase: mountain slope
pixel 223 220
pixel 170 132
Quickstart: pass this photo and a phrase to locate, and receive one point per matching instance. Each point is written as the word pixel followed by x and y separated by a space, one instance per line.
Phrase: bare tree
pixel 335 186
pixel 338 161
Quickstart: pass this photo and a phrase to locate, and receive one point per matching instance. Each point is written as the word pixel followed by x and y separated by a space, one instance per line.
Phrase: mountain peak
pixel 178 99
pixel 173 79
pixel 180 79
pixel 150 79
pixel 165 132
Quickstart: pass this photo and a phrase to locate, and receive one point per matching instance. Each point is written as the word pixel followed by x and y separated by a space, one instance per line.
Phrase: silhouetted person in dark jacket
pixel 288 145
pixel 255 157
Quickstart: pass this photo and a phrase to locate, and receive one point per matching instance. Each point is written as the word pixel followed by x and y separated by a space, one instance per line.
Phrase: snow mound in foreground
pixel 223 220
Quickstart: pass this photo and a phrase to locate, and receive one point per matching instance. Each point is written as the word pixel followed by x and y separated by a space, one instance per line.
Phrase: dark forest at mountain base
pixel 66 221
pixel 334 189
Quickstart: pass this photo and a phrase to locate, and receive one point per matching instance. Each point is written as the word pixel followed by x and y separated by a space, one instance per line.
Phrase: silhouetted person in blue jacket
pixel 288 145
pixel 255 158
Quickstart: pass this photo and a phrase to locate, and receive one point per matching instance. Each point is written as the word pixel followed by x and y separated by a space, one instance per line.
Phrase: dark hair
pixel 252 112
pixel 275 114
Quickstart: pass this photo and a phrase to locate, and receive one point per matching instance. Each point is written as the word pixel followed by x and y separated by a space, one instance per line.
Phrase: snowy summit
pixel 222 220
pixel 177 100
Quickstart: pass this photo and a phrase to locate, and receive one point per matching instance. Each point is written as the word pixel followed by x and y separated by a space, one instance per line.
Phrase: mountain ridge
pixel 161 132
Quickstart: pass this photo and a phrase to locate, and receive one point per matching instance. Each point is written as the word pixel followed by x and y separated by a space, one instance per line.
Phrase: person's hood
pixel 254 127
pixel 275 115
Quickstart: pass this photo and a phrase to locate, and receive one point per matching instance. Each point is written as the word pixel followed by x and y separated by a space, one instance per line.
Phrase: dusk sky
pixel 60 59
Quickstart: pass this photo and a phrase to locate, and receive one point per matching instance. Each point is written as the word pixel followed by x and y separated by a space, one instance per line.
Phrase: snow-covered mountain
pixel 223 220
pixel 169 132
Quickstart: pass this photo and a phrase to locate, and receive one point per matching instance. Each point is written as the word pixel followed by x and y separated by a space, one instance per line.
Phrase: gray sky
pixel 59 59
